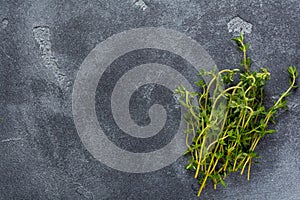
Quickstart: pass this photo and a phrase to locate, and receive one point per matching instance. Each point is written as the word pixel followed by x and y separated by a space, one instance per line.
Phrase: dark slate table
pixel 45 42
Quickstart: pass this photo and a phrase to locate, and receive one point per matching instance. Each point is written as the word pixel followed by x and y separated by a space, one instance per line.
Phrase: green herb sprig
pixel 240 121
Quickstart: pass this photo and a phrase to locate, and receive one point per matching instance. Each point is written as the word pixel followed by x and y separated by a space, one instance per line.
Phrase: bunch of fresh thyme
pixel 224 126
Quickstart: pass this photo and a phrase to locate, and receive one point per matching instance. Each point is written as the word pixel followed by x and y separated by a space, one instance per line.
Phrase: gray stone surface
pixel 42 46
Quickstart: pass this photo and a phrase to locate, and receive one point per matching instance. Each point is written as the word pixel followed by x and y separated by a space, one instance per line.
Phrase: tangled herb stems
pixel 221 136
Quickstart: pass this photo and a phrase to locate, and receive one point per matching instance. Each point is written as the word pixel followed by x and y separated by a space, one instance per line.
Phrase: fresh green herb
pixel 224 126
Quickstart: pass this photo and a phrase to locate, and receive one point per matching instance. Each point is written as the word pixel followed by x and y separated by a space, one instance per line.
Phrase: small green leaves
pixel 222 181
pixel 247 45
pixel 293 72
pixel 200 83
pixel 190 166
pixel 239 40
pixel 243 47
pixel 245 122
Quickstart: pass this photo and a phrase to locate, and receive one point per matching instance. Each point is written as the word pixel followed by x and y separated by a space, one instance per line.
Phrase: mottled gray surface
pixel 44 42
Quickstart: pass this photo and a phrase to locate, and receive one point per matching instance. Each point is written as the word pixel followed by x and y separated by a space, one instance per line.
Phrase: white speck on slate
pixel 140 4
pixel 237 25
pixel 42 36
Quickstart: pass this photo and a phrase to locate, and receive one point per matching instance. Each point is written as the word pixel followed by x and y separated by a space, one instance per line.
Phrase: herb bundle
pixel 224 126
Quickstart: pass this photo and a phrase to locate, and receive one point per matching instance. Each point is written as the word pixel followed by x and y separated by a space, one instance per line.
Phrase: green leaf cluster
pixel 224 126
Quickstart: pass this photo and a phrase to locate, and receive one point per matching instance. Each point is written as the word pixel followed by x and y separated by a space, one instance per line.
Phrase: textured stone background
pixel 43 43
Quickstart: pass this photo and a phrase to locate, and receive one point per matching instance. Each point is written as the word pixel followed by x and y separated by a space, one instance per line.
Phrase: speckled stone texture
pixel 44 42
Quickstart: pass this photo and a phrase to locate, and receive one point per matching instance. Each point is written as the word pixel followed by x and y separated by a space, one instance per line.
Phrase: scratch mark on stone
pixel 69 83
pixel 4 23
pixel 11 139
pixel 8 56
pixel 292 105
pixel 140 4
pixel 84 192
pixel 237 25
pixel 275 97
pixel 42 36
pixel 260 3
